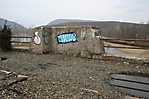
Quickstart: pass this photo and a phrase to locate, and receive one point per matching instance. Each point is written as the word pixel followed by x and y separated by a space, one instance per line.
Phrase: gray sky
pixel 38 12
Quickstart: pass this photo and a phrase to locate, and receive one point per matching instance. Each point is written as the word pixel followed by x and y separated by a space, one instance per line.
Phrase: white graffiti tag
pixel 37 39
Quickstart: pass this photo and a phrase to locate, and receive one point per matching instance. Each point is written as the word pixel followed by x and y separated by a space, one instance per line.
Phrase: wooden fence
pixel 21 42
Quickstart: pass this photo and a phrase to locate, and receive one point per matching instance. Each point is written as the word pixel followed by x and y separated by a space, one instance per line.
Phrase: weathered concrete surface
pixel 86 45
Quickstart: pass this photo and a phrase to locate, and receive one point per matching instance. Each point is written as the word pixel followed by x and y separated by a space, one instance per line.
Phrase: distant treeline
pixel 119 29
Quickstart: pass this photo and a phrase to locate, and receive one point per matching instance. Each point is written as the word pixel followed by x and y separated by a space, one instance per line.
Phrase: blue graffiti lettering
pixel 66 38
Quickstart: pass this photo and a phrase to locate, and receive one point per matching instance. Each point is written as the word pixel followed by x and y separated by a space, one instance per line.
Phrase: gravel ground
pixel 65 77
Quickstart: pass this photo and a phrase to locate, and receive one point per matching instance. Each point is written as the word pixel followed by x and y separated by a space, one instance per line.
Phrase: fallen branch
pixel 53 64
pixel 90 90
pixel 19 78
pixel 8 76
pixel 6 72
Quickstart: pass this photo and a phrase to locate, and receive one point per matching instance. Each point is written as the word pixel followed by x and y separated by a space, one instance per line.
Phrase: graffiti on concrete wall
pixel 36 38
pixel 46 38
pixel 68 37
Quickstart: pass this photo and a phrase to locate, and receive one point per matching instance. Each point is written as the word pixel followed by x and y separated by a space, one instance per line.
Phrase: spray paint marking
pixel 69 37
pixel 45 38
pixel 37 39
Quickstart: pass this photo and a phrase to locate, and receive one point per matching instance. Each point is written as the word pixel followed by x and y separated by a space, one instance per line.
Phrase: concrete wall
pixel 86 45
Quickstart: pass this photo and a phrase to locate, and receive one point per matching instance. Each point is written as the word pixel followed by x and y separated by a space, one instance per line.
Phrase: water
pixel 128 53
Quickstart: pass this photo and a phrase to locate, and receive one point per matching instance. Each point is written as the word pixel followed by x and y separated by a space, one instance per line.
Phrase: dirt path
pixel 63 77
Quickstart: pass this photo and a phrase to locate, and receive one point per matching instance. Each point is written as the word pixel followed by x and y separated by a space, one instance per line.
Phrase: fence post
pixel 5 38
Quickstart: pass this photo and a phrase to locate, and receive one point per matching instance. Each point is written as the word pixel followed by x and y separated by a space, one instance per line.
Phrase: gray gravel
pixel 63 77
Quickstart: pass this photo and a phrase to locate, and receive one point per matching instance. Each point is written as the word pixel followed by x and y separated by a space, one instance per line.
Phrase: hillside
pixel 111 28
pixel 63 21
pixel 16 28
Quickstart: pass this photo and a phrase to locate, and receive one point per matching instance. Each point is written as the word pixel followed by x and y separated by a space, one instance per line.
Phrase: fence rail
pixel 146 48
pixel 107 39
pixel 21 36
pixel 19 42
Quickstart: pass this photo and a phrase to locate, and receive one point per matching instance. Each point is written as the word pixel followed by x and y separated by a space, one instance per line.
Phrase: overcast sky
pixel 38 12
